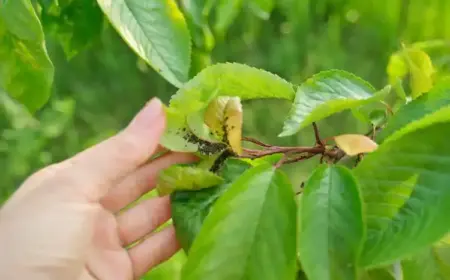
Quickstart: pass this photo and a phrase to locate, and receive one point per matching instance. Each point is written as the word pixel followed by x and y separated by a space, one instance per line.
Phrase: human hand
pixel 65 221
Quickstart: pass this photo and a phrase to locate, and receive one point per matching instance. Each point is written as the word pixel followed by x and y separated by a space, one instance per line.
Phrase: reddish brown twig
pixel 256 141
pixel 317 135
pixel 300 158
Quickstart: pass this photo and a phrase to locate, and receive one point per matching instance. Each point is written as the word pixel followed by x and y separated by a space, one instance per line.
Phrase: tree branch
pixel 317 135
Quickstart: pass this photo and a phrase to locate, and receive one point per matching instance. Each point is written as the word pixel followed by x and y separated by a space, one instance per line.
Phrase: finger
pixel 141 181
pixel 154 250
pixel 142 219
pixel 97 168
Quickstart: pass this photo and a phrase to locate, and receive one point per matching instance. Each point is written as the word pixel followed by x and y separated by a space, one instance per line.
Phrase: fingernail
pixel 149 114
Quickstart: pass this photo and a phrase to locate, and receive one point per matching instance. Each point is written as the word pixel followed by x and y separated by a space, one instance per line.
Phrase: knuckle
pixel 128 148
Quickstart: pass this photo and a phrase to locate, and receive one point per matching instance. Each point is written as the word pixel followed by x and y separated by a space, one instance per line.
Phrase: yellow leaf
pixel 233 124
pixel 224 117
pixel 397 68
pixel 214 115
pixel 421 69
pixel 185 178
pixel 354 144
pixel 444 242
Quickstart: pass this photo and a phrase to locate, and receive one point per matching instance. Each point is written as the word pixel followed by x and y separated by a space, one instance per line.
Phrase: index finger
pixel 97 168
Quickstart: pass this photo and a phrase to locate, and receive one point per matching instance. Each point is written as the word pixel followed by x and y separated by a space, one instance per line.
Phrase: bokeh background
pixel 99 87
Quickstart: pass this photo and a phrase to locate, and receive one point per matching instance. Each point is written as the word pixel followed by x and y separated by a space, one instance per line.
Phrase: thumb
pixel 97 168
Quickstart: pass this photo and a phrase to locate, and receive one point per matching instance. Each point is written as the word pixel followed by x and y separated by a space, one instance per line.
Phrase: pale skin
pixel 67 221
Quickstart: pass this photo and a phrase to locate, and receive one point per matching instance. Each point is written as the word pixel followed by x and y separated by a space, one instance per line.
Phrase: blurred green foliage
pixel 100 83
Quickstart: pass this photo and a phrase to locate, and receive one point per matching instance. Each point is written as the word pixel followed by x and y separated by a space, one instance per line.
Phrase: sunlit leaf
pixel 429 264
pixel 405 189
pixel 397 68
pixel 444 241
pixel 324 94
pixel 156 31
pixel 254 223
pixel 331 229
pixel 190 208
pixel 26 72
pixel 215 115
pixel 233 124
pixel 185 178
pixel 229 79
pixel 421 69
pixel 437 98
pixel 354 144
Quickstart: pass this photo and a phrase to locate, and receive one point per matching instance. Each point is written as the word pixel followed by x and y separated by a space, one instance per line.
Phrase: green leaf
pixel 437 98
pixel 179 138
pixel 229 79
pixel 377 274
pixel 156 31
pixel 177 135
pixel 226 13
pixel 197 12
pixel 75 24
pixel 327 93
pixel 185 178
pixel 196 9
pixel 250 232
pixel 405 189
pixel 332 229
pixel 429 264
pixel 262 8
pixel 188 106
pixel 190 208
pixel 271 159
pixel 26 71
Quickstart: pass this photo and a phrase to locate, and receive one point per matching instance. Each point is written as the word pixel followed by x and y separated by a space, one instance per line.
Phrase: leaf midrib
pixel 126 4
pixel 253 242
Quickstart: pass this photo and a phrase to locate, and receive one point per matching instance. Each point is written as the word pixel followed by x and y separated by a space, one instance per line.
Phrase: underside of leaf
pixel 156 31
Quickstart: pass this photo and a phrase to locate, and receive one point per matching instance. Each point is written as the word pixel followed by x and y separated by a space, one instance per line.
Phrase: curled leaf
pixel 185 178
pixel 224 117
pixel 215 115
pixel 397 68
pixel 354 144
pixel 422 71
pixel 233 124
